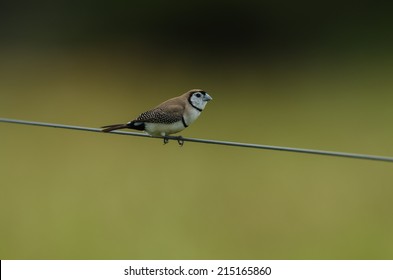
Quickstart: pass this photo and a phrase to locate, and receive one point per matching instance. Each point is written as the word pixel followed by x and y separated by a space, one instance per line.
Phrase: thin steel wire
pixel 207 141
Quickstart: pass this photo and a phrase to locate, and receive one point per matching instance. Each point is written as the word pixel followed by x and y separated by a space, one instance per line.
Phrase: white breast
pixel 162 129
pixel 190 115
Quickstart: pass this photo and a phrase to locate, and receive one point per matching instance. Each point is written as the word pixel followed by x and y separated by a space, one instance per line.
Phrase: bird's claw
pixel 180 141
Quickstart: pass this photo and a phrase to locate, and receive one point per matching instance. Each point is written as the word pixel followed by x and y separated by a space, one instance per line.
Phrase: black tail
pixel 131 125
pixel 111 127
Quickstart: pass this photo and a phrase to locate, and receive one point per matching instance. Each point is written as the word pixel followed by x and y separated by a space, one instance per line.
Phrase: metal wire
pixel 207 141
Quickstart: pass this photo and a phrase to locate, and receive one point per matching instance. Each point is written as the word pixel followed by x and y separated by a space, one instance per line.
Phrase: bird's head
pixel 199 98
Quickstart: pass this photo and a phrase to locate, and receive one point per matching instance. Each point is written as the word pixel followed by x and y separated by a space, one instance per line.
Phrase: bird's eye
pixel 198 95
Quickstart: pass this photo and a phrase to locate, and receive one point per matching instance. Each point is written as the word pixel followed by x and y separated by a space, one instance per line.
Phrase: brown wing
pixel 165 113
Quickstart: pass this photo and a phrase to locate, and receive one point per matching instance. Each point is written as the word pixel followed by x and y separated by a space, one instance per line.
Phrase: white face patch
pixel 198 100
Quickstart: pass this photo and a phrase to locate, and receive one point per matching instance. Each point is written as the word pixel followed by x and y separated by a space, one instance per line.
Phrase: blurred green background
pixel 301 74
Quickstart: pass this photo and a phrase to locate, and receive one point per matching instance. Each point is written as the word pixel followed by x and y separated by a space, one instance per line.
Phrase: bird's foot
pixel 180 141
pixel 178 138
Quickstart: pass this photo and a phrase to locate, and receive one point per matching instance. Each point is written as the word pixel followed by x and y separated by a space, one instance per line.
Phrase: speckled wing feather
pixel 166 113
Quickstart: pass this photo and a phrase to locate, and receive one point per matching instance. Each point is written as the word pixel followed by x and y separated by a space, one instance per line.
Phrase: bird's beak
pixel 207 97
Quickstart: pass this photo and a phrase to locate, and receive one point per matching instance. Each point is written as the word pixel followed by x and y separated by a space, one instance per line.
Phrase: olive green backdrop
pixel 302 75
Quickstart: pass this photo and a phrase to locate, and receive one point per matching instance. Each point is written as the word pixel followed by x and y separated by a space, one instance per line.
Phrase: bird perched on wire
pixel 169 117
